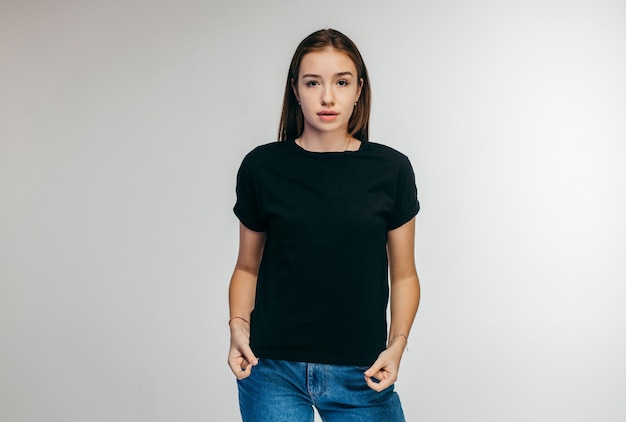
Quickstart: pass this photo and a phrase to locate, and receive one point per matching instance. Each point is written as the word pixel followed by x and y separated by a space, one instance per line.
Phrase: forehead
pixel 326 62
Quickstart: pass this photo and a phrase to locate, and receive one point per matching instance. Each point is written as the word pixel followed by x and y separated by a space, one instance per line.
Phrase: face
pixel 327 88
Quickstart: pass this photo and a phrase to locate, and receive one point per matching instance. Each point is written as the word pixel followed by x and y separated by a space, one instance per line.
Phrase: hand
pixel 240 357
pixel 386 367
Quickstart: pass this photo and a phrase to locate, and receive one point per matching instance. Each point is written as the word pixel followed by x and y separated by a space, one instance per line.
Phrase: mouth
pixel 327 115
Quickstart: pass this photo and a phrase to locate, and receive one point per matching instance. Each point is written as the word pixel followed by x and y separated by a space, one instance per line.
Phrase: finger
pixel 374 369
pixel 240 367
pixel 249 355
pixel 245 371
pixel 241 359
pixel 379 386
pixel 242 349
pixel 378 376
pixel 381 380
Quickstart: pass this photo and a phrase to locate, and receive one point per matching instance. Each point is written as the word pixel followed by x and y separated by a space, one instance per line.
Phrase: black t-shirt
pixel 322 288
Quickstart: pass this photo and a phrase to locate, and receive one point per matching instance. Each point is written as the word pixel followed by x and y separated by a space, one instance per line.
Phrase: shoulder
pixel 268 148
pixel 386 151
pixel 264 153
pixel 388 154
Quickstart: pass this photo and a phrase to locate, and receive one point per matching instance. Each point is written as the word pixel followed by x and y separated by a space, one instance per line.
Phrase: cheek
pixel 304 99
pixel 304 105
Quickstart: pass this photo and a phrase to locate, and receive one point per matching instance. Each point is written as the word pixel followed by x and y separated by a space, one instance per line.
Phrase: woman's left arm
pixel 405 297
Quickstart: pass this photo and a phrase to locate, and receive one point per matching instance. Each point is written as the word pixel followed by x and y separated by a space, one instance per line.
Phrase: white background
pixel 122 125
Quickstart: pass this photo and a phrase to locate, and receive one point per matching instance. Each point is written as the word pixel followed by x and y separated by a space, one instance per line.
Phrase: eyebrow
pixel 311 75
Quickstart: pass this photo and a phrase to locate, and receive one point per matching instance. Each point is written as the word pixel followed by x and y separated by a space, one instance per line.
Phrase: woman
pixel 325 216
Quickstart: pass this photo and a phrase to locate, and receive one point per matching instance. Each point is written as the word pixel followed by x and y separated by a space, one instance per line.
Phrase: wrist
pixel 237 318
pixel 398 340
pixel 238 323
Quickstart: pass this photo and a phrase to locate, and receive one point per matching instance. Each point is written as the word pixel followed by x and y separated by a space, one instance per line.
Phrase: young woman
pixel 325 216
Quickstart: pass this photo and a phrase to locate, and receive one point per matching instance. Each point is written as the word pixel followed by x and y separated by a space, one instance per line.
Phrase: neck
pixel 325 142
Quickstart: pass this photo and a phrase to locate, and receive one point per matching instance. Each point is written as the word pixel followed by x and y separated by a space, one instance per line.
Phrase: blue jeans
pixel 283 391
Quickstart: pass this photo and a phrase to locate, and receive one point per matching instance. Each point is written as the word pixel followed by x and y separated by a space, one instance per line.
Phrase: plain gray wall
pixel 122 125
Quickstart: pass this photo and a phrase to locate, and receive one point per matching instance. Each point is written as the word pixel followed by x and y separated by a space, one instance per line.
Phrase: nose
pixel 328 97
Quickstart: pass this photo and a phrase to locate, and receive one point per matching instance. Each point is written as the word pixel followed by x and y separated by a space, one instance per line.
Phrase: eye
pixel 343 82
pixel 311 83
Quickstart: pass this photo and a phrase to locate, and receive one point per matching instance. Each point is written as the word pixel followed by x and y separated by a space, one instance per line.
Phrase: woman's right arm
pixel 241 296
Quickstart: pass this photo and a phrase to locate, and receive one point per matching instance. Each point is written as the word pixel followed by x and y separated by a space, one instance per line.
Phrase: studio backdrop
pixel 123 123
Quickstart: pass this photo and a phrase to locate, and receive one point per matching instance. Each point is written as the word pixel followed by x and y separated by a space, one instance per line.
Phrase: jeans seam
pixel 316 381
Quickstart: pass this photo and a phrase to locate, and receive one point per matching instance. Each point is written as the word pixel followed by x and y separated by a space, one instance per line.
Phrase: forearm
pixel 405 296
pixel 241 293
pixel 404 301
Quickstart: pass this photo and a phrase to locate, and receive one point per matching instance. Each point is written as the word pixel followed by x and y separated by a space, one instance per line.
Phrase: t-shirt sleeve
pixel 247 208
pixel 406 204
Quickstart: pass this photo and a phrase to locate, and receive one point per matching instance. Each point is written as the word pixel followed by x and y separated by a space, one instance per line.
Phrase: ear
pixel 358 91
pixel 294 87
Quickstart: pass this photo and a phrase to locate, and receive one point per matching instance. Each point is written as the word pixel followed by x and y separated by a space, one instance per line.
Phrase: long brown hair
pixel 291 119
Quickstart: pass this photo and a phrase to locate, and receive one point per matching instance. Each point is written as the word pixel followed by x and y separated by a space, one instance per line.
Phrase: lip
pixel 327 115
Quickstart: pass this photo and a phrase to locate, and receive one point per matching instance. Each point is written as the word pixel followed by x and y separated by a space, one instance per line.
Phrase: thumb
pixel 248 355
pixel 374 368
